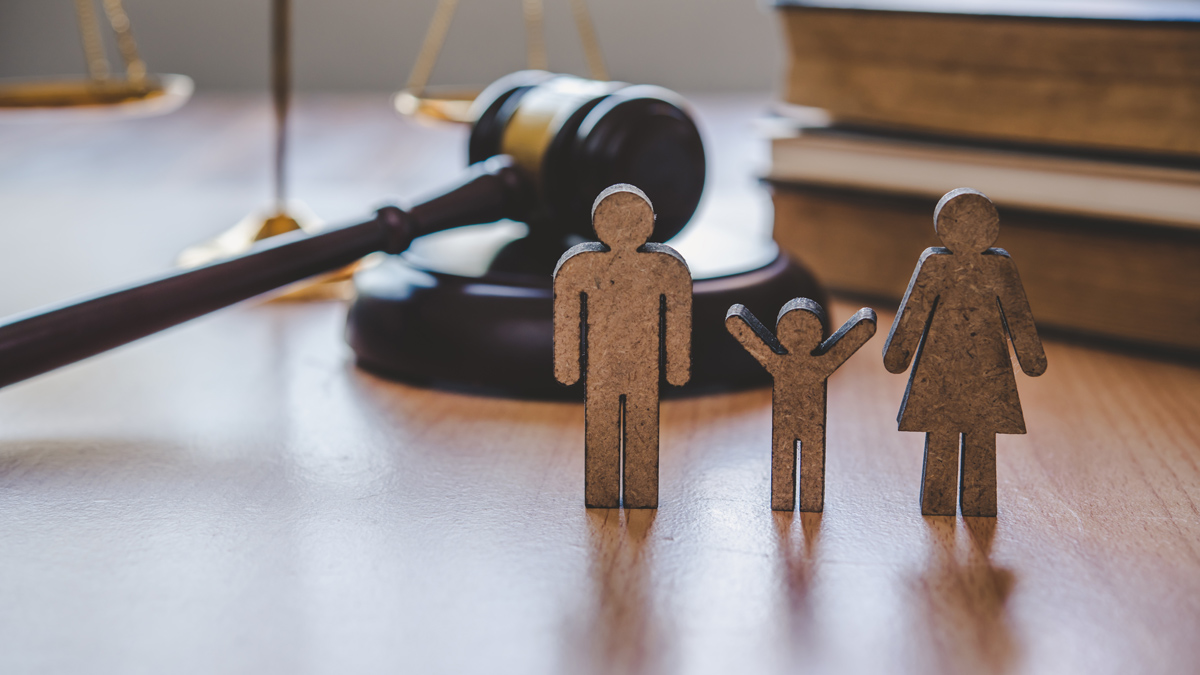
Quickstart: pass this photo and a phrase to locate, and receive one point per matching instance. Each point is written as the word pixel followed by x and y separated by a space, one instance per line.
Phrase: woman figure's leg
pixel 978 475
pixel 939 475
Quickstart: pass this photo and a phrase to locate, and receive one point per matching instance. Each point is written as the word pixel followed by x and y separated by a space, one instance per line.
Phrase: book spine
pixel 1121 86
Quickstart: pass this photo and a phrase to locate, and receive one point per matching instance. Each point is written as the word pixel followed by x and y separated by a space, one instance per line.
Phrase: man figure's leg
pixel 602 450
pixel 641 449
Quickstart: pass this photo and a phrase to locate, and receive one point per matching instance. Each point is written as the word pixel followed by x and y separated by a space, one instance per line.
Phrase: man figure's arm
pixel 569 300
pixel 677 294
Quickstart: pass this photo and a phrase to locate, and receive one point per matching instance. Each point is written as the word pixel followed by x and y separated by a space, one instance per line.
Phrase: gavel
pixel 542 147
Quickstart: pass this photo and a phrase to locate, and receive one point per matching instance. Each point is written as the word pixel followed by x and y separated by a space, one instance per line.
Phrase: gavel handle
pixel 46 339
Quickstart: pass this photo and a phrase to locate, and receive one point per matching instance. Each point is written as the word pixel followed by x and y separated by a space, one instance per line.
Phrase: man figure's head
pixel 623 217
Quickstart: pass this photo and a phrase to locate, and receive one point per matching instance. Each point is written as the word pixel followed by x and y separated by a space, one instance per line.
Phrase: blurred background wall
pixel 692 45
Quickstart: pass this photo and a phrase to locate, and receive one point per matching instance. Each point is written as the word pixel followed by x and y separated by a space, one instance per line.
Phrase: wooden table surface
pixel 234 496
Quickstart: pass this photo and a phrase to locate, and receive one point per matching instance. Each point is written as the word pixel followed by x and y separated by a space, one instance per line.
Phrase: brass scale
pixel 140 93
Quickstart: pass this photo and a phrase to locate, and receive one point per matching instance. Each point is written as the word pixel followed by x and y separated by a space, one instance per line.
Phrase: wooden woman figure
pixel 800 364
pixel 963 304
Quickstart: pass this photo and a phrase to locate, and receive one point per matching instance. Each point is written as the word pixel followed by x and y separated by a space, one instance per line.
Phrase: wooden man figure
pixel 963 304
pixel 615 304
pixel 800 364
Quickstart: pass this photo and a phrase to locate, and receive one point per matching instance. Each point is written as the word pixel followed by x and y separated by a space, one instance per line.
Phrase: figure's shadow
pixel 622 635
pixel 798 535
pixel 797 553
pixel 961 600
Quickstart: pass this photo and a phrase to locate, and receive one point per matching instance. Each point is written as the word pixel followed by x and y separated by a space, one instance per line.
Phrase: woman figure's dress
pixel 962 374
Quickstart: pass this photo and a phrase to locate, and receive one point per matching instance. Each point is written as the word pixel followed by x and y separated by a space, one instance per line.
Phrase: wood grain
pixel 234 496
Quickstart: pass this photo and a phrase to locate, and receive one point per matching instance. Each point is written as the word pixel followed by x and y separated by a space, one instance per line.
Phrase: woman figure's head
pixel 966 221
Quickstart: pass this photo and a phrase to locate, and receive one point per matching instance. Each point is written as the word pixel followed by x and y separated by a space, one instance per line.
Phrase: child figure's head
pixel 800 326
pixel 966 221
pixel 623 217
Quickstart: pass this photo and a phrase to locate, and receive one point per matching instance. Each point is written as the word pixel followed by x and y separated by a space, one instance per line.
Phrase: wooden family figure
pixel 963 304
pixel 622 307
pixel 800 364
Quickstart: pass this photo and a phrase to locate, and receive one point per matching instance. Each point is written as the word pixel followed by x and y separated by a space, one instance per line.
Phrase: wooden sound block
pixel 475 313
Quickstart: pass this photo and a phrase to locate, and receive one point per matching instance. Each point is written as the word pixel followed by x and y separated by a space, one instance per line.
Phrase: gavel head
pixel 576 137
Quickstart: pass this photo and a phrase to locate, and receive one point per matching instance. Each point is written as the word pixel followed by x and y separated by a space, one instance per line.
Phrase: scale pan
pixel 82 98
pixel 437 104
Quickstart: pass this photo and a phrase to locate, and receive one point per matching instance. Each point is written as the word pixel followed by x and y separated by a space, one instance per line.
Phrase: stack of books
pixel 1080 120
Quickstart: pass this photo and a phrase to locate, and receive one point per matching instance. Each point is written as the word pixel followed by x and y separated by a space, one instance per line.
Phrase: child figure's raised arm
pixel 754 336
pixel 1018 318
pixel 914 311
pixel 848 339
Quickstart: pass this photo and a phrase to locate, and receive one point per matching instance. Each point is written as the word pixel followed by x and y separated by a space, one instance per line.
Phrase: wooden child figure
pixel 801 365
pixel 963 304
pixel 615 303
